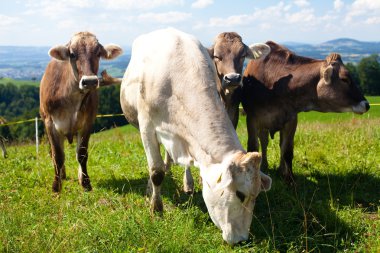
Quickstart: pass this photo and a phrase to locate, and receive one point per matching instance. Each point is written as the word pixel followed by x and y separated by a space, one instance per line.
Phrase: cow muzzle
pixel 231 80
pixel 89 82
pixel 361 108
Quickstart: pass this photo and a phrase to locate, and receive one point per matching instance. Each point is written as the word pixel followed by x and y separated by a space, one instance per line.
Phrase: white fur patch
pixel 175 146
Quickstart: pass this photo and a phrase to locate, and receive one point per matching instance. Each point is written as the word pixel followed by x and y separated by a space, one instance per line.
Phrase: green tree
pixel 352 68
pixel 369 74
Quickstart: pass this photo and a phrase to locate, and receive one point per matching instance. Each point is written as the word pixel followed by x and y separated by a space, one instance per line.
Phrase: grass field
pixel 334 206
pixel 6 80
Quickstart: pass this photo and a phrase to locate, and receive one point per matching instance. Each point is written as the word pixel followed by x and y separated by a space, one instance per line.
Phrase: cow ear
pixel 60 53
pixel 327 74
pixel 253 158
pixel 266 182
pixel 210 51
pixel 111 51
pixel 257 50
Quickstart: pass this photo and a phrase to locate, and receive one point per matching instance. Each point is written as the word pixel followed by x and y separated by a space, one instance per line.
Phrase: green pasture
pixel 6 80
pixel 334 206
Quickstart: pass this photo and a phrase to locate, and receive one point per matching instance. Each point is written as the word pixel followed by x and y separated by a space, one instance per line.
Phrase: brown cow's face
pixel 336 90
pixel 84 52
pixel 229 53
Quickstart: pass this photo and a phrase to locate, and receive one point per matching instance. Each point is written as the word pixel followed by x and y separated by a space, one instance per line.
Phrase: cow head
pixel 229 53
pixel 336 90
pixel 230 191
pixel 84 52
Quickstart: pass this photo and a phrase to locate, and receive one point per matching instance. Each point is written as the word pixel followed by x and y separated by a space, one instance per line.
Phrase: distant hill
pixel 350 49
pixel 28 63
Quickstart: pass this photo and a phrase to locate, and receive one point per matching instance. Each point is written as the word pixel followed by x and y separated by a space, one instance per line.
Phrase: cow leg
pixel 168 161
pixel 188 181
pixel 155 163
pixel 287 146
pixel 253 142
pixel 2 145
pixel 57 154
pixel 264 140
pixel 82 157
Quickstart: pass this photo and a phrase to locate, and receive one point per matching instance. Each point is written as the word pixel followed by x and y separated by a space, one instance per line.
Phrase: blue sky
pixel 46 23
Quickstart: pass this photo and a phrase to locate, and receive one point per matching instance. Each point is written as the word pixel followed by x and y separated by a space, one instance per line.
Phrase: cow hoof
pixel 63 174
pixel 264 165
pixel 289 179
pixel 157 205
pixel 188 188
pixel 57 186
pixel 86 184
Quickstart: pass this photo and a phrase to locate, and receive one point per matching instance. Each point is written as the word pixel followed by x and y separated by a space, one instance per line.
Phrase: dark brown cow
pixel 276 88
pixel 69 99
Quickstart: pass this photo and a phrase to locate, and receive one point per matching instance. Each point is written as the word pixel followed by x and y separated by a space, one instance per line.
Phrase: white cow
pixel 169 92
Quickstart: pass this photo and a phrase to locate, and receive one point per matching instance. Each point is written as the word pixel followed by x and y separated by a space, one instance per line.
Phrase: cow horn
pixel 333 57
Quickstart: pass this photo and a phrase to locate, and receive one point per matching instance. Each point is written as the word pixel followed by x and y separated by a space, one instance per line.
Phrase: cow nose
pixel 232 78
pixel 367 105
pixel 88 82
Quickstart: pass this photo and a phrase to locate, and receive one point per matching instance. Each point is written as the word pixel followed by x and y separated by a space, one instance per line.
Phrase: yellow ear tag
pixel 219 179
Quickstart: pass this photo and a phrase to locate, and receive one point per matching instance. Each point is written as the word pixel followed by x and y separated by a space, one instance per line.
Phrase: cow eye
pixel 217 58
pixel 240 195
pixel 72 56
pixel 345 80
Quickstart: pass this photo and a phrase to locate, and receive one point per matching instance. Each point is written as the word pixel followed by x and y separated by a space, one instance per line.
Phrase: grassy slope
pixel 18 82
pixel 334 207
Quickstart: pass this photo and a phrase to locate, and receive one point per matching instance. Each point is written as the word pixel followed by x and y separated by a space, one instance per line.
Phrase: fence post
pixel 37 136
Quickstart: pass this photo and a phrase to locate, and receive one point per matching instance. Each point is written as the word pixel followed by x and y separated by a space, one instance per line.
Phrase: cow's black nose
pixel 367 106
pixel 89 82
pixel 232 78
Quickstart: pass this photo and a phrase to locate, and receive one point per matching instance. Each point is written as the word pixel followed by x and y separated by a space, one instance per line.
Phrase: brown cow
pixel 69 99
pixel 276 88
pixel 228 53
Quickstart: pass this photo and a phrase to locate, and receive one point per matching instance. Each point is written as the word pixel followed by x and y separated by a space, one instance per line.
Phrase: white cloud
pixel 164 18
pixel 305 15
pixel 368 9
pixel 56 9
pixel 230 21
pixel 6 21
pixel 199 4
pixel 141 4
pixel 301 3
pixel 338 5
pixel 373 21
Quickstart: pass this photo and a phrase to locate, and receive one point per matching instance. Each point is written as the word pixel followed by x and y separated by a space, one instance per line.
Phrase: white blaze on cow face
pixel 230 190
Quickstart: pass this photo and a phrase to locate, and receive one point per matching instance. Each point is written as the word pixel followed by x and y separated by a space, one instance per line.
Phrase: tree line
pixel 20 102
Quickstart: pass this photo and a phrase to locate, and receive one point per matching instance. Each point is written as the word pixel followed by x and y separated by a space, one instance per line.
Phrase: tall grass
pixel 334 206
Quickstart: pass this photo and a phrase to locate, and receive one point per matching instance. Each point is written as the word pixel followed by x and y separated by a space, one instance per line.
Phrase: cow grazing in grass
pixel 69 99
pixel 169 91
pixel 276 88
pixel 228 53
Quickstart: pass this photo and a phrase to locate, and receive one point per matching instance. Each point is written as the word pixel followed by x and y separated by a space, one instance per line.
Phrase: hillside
pixel 28 63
